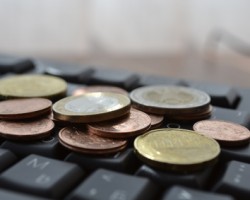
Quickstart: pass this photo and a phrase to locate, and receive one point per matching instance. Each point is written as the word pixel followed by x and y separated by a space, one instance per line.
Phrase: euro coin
pixel 225 132
pixel 135 123
pixel 32 85
pixel 15 109
pixel 91 107
pixel 176 149
pixel 83 142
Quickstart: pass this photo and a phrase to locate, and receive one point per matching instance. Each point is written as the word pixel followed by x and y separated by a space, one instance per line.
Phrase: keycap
pixel 166 179
pixel 241 153
pixel 221 95
pixel 235 180
pixel 185 193
pixel 41 176
pixel 244 99
pixel 11 195
pixel 7 158
pixel 49 147
pixel 119 78
pixel 106 184
pixel 125 161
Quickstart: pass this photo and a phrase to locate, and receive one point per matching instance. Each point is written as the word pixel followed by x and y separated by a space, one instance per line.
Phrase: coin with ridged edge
pixel 225 132
pixel 82 141
pixel 15 109
pixel 32 85
pixel 171 100
pixel 176 149
pixel 91 107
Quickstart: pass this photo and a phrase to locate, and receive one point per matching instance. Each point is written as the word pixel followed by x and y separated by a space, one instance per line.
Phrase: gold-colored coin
pixel 176 149
pixel 32 85
pixel 91 107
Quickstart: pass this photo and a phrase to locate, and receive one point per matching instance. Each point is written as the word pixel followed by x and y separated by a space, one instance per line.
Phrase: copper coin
pixel 99 88
pixel 136 123
pixel 156 120
pixel 26 129
pixel 226 133
pixel 84 142
pixel 24 108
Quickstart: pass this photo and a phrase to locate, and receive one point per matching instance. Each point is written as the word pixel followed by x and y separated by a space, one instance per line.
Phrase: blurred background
pixel 206 40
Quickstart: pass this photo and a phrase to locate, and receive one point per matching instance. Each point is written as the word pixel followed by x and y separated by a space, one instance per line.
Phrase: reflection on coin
pixel 226 133
pixel 134 124
pixel 32 85
pixel 26 130
pixel 99 88
pixel 162 99
pixel 156 120
pixel 176 149
pixel 91 107
pixel 84 142
pixel 24 108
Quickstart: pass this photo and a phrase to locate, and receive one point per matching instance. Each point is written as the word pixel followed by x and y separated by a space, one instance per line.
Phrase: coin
pixel 134 124
pixel 32 85
pixel 26 129
pixel 91 107
pixel 156 120
pixel 15 109
pixel 176 149
pixel 99 88
pixel 163 99
pixel 225 132
pixel 84 142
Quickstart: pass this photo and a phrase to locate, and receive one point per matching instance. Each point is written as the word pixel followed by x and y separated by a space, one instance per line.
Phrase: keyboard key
pixel 244 100
pixel 7 158
pixel 221 95
pixel 41 176
pixel 236 153
pixel 123 79
pixel 7 194
pixel 167 179
pixel 125 161
pixel 235 181
pixel 184 193
pixel 105 184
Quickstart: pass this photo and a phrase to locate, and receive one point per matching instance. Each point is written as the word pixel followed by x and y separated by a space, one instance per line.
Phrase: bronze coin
pixel 84 142
pixel 156 120
pixel 135 123
pixel 99 88
pixel 16 109
pixel 26 129
pixel 226 133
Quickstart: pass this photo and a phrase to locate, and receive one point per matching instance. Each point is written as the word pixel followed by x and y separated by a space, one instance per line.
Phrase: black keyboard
pixel 45 169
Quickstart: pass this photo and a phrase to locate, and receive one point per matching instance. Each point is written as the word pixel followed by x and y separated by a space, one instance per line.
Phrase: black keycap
pixel 167 179
pixel 7 158
pixel 125 161
pixel 41 176
pixel 244 100
pixel 105 184
pixel 15 65
pixel 123 79
pixel 185 193
pixel 49 147
pixel 221 95
pixel 11 195
pixel 235 180
pixel 241 153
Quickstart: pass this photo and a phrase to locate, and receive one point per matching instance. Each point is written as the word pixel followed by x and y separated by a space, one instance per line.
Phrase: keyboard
pixel 45 169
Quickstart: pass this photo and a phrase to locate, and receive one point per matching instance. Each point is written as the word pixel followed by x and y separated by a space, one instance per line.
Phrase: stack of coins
pixel 175 102
pixel 25 119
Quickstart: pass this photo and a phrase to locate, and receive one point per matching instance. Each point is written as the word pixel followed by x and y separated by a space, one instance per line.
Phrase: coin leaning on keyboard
pixel 101 122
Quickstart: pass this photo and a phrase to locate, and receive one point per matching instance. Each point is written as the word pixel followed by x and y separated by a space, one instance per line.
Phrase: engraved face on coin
pixel 134 124
pixel 163 99
pixel 91 107
pixel 24 108
pixel 84 142
pixel 99 88
pixel 226 133
pixel 176 149
pixel 26 130
pixel 32 85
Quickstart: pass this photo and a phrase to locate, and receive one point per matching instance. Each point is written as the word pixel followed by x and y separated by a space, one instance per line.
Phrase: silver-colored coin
pixel 163 99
